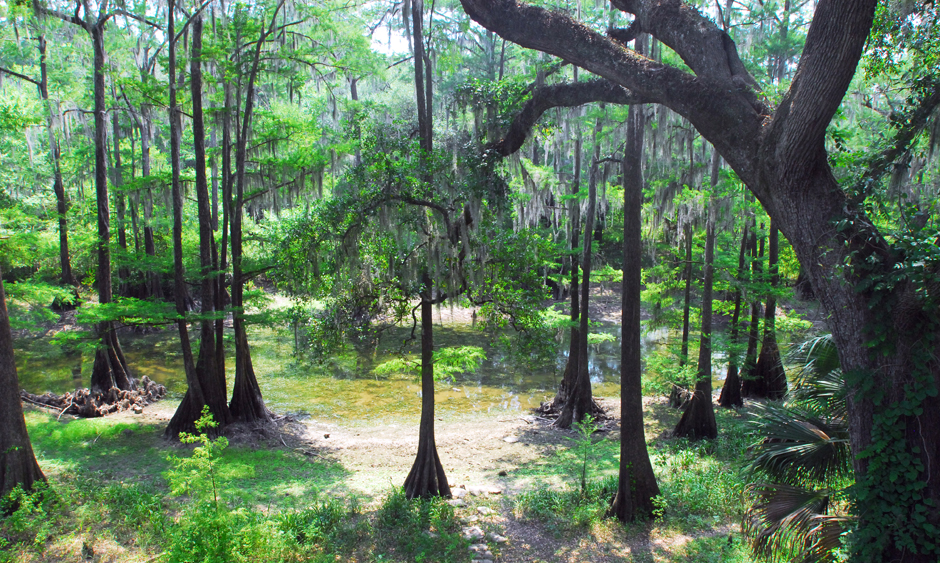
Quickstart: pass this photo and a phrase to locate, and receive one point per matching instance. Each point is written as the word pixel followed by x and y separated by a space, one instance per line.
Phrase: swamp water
pixel 344 387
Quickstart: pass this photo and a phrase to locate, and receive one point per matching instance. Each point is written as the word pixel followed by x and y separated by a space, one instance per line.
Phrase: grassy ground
pixel 119 492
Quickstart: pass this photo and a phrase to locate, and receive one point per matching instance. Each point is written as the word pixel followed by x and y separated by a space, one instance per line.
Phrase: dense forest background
pixel 725 213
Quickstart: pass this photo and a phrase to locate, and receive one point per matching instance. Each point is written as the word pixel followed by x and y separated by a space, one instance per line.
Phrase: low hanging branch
pixel 545 98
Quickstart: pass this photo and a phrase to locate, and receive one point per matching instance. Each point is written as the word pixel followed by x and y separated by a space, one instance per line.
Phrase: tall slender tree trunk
pixel 154 284
pixel 698 420
pixel 247 404
pixel 120 203
pixel 195 397
pixel 676 395
pixel 110 367
pixel 636 483
pixel 208 387
pixel 752 386
pixel 17 463
pixel 769 367
pixel 580 402
pixel 58 187
pixel 571 367
pixel 427 478
pixel 731 390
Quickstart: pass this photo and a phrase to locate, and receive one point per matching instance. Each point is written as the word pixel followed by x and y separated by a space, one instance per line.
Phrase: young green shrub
pixel 420 529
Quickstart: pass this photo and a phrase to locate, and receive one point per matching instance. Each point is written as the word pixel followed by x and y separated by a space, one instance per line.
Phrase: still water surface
pixel 345 386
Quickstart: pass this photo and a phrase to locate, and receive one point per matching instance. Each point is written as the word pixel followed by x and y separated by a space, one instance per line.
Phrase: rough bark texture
pixel 17 463
pixel 636 484
pixel 779 153
pixel 427 478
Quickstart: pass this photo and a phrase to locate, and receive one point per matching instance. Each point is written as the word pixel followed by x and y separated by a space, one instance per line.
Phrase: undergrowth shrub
pixel 422 530
pixel 568 509
pixel 28 518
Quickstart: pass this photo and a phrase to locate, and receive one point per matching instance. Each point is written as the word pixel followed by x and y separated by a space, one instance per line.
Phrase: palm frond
pixel 800 445
pixel 788 523
pixel 819 384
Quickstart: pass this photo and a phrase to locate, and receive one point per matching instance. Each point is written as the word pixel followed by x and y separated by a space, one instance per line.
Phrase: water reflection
pixel 345 386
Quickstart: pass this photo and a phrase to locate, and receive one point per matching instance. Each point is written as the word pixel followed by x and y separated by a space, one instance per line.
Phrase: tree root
pixel 84 403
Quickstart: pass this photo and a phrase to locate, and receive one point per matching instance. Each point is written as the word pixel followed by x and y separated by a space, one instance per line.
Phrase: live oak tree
pixel 779 153
pixel 18 465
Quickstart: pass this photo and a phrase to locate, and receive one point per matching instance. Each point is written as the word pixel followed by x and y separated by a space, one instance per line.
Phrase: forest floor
pixel 517 478
pixel 497 463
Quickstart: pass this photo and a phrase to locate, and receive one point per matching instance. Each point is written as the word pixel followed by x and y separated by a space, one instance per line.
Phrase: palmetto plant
pixel 802 464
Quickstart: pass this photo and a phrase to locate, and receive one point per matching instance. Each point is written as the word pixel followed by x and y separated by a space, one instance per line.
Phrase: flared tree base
pixel 426 478
pixel 730 397
pixel 110 368
pixel 698 419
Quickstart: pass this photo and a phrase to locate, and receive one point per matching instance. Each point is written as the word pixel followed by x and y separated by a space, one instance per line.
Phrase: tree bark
pixel 427 478
pixel 752 386
pixel 121 205
pixel 208 386
pixel 247 404
pixel 18 465
pixel 676 395
pixel 110 368
pixel 636 484
pixel 570 375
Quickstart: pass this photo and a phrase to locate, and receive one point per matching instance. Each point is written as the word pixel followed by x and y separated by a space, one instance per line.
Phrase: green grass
pixel 109 486
pixel 701 491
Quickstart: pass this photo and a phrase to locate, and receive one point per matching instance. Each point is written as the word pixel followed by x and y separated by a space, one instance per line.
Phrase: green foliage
pixel 420 529
pixel 29 303
pixel 802 463
pixel 586 428
pixel 569 509
pixel 29 517
pixel 662 371
pixel 700 481
pixel 448 363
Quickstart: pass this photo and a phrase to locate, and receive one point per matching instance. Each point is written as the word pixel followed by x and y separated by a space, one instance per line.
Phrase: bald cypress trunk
pixel 247 404
pixel 110 367
pixel 58 186
pixel 571 367
pixel 17 463
pixel 207 386
pixel 427 477
pixel 698 420
pixel 636 484
pixel 752 386
pixel 580 402
pixel 731 390
pixel 769 368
